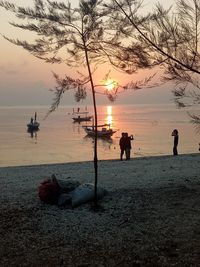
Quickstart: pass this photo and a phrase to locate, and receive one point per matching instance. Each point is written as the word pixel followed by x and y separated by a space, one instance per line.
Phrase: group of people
pixel 125 144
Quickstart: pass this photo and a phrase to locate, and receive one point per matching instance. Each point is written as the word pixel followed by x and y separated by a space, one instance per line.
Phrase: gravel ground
pixel 150 216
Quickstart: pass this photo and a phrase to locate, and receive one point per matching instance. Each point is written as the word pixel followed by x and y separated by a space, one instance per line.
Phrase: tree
pixel 78 31
pixel 169 38
pixel 75 36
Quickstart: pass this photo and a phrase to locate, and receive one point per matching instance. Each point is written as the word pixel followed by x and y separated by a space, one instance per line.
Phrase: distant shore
pixel 150 216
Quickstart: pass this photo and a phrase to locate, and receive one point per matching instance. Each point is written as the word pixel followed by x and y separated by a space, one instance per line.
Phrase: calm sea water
pixel 60 140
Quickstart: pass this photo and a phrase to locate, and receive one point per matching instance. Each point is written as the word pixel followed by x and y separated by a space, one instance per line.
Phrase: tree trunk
pixel 95 125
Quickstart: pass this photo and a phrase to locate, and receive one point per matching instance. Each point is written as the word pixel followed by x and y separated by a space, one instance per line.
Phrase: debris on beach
pixel 85 193
pixel 48 190
pixel 68 193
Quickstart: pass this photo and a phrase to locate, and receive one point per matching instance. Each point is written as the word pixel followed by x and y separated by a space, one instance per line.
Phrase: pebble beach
pixel 149 217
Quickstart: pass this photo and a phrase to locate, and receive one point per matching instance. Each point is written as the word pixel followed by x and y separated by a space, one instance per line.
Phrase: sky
pixel 26 80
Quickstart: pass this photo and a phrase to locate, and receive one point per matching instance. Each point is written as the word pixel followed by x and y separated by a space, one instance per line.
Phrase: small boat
pixel 79 116
pixel 33 125
pixel 103 130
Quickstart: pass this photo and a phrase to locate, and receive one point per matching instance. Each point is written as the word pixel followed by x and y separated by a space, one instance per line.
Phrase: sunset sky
pixel 25 80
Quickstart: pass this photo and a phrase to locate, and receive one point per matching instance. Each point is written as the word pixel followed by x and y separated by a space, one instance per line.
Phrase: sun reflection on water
pixel 109 118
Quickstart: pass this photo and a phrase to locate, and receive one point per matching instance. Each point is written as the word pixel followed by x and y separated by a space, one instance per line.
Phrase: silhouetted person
pixel 122 145
pixel 31 121
pixel 175 134
pixel 127 144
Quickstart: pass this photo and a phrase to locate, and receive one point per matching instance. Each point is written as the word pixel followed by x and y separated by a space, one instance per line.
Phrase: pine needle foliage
pixel 168 38
pixel 73 36
pixel 81 36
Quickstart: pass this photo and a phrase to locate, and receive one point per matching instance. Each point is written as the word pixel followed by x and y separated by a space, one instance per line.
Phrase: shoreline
pixel 150 216
pixel 101 160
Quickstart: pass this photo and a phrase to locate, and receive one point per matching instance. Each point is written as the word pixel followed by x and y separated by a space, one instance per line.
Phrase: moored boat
pixel 80 116
pixel 103 130
pixel 33 125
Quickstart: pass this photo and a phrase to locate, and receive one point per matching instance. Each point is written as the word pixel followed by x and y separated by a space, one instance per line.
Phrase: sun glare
pixel 110 84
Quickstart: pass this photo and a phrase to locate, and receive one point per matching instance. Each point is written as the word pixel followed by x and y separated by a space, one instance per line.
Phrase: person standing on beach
pixel 122 145
pixel 127 143
pixel 176 137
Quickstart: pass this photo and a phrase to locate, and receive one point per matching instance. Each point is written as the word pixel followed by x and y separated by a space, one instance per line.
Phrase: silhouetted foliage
pixel 65 35
pixel 77 37
pixel 168 38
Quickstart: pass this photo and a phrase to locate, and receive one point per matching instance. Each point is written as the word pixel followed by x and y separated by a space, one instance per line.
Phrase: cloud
pixel 9 70
pixel 14 69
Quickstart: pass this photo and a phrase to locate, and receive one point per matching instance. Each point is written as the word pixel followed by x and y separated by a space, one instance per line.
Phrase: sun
pixel 110 85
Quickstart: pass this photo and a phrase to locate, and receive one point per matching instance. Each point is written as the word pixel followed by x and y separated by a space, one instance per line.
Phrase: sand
pixel 150 216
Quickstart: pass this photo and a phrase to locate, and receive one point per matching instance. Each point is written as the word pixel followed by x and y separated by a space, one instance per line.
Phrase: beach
pixel 149 217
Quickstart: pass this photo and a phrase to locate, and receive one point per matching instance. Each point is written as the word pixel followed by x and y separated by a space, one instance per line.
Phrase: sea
pixel 60 140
